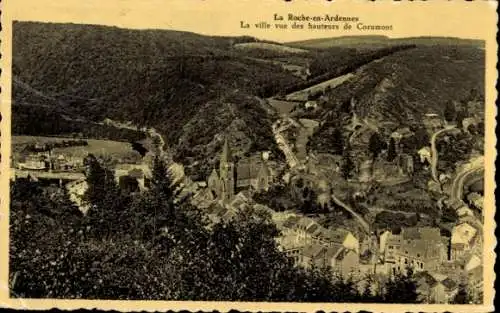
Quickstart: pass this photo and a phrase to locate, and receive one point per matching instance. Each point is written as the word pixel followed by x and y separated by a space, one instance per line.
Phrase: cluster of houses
pixel 47 161
pixel 308 243
pixel 440 264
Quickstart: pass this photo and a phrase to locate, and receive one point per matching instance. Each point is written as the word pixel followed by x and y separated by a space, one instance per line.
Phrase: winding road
pixel 282 143
pixel 293 161
pixel 457 188
pixel 358 217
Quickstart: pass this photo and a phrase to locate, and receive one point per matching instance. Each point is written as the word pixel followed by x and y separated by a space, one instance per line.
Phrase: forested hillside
pixel 156 78
pixel 401 88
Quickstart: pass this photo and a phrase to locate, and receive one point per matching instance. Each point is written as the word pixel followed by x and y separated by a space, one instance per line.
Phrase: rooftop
pixel 422 233
pixel 463 234
pixel 449 283
pixel 313 250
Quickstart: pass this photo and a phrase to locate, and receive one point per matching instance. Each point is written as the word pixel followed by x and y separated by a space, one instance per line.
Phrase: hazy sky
pixel 217 17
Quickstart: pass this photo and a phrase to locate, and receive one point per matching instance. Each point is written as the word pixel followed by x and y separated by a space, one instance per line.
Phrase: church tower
pixel 226 171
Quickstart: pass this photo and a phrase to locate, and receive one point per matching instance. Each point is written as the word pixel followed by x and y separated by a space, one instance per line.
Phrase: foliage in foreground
pixel 149 247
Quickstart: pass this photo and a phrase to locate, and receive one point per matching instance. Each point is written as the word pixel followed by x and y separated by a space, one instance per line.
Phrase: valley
pixel 349 142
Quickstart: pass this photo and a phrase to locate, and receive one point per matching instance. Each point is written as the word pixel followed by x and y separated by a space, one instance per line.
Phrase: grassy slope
pixel 381 41
pixel 269 46
pixel 97 147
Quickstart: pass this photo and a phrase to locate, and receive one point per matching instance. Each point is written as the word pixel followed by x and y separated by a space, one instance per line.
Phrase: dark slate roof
pixel 426 277
pixel 337 235
pixel 423 233
pixel 136 173
pixel 449 284
pixel 332 251
pixel 313 251
pixel 291 221
pixel 313 228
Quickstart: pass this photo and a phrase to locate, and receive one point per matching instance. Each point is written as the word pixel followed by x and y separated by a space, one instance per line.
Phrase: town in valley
pixel 364 154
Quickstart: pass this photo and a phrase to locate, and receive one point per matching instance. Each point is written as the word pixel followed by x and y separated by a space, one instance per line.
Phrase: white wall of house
pixel 351 242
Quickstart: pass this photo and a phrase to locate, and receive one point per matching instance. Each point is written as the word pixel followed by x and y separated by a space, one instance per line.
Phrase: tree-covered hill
pixel 400 89
pixel 157 78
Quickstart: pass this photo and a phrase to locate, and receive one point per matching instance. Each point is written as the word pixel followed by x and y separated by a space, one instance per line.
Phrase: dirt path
pixel 364 224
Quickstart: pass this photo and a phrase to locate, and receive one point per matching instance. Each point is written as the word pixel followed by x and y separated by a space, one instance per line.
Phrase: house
pixel 435 288
pixel 472 261
pixel 452 268
pixel 312 255
pixel 469 121
pixel 464 211
pixel 330 237
pixel 425 155
pixel 400 133
pixel 240 201
pixel 476 201
pixel 463 238
pixel 137 172
pixel 203 198
pixel 219 211
pixel 254 172
pixel 432 122
pixel 307 231
pixel 311 104
pixel 342 261
pixel 419 248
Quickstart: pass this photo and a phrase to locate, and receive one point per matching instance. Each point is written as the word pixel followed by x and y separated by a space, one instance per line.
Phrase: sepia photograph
pixel 167 164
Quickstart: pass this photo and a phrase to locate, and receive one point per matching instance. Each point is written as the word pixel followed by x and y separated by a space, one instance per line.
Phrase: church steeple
pixel 226 172
pixel 226 153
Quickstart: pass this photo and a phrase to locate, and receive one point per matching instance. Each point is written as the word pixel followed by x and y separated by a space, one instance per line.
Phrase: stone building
pixel 463 238
pixel 248 173
pixel 342 261
pixel 421 248
pixel 222 184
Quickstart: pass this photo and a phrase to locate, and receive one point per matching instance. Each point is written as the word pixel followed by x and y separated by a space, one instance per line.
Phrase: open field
pixel 303 94
pixel 283 107
pixel 114 149
pixel 269 46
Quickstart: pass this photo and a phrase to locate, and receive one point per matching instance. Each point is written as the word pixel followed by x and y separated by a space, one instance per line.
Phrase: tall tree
pixel 462 296
pixel 347 163
pixel 391 153
pixel 101 183
pixel 337 141
pixel 401 288
pixel 104 197
pixel 450 111
pixel 376 145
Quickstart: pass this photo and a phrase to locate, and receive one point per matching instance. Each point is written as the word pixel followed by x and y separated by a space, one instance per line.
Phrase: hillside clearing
pixel 113 149
pixel 302 95
pixel 269 46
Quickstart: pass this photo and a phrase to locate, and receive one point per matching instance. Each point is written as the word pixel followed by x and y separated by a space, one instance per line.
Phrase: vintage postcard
pixel 263 155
